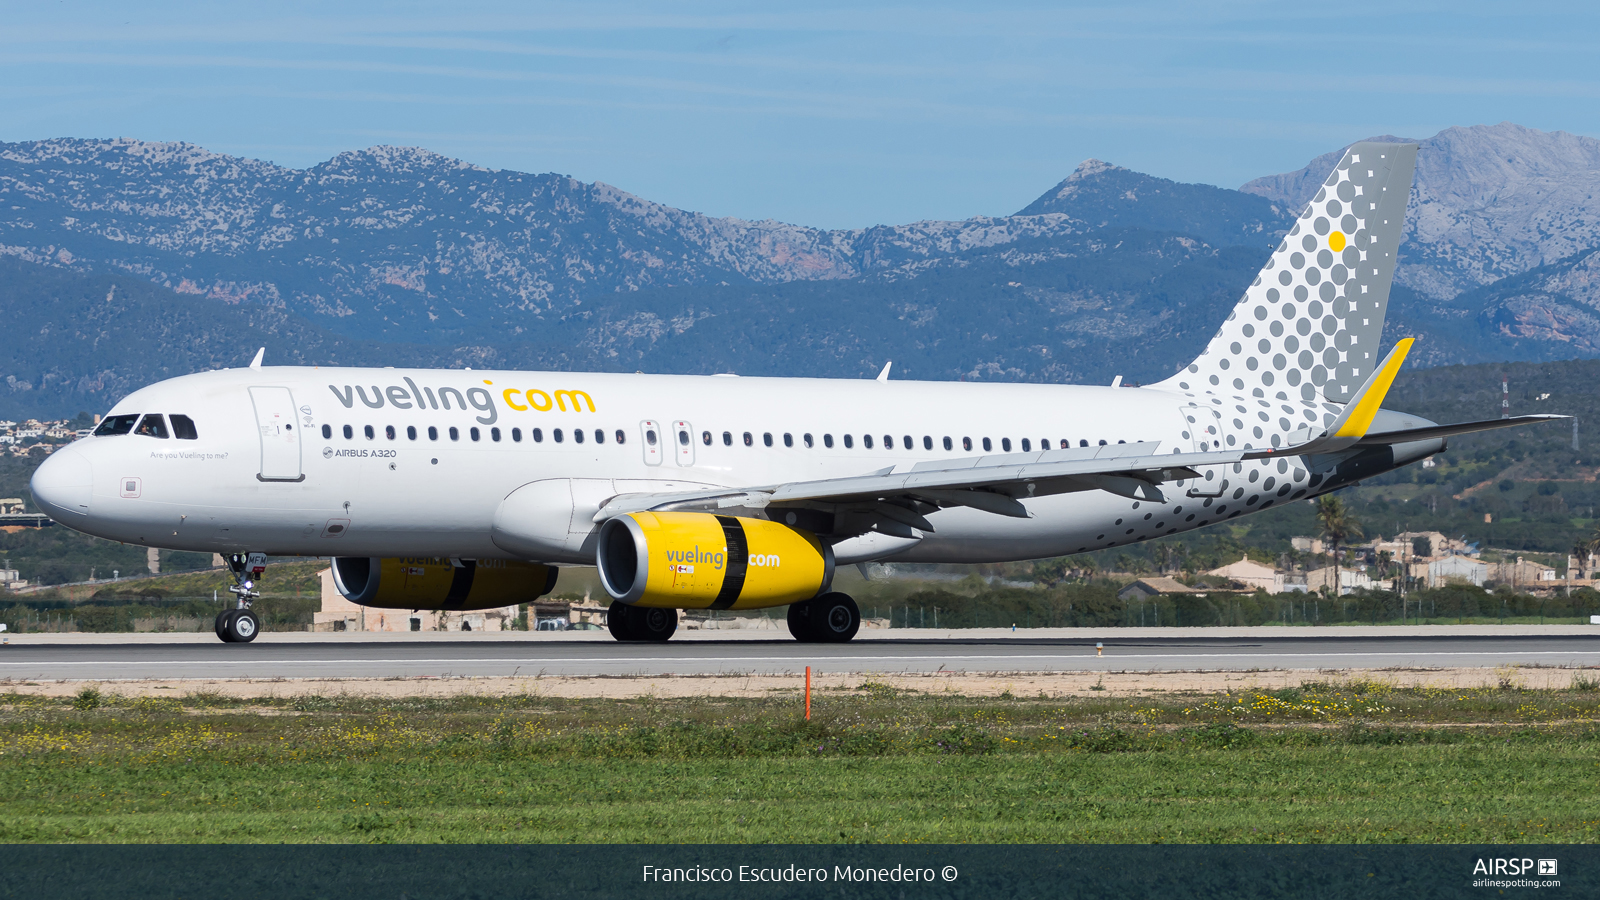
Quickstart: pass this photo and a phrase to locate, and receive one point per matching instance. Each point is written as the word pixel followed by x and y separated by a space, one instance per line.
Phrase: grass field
pixel 1343 763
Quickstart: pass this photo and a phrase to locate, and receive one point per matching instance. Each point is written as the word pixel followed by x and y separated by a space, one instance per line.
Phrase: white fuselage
pixel 289 482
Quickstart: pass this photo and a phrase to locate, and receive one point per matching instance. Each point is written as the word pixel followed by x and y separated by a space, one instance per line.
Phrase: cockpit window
pixel 113 425
pixel 183 428
pixel 152 425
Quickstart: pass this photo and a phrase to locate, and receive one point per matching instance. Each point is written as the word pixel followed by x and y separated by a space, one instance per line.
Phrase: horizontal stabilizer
pixel 1433 432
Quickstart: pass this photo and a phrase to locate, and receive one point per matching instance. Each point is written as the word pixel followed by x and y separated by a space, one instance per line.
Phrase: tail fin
pixel 1308 328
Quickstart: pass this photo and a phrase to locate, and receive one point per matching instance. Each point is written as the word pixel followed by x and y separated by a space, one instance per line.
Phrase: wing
pixel 990 483
pixel 998 484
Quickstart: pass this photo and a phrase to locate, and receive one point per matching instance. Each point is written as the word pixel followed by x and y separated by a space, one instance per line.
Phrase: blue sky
pixel 836 115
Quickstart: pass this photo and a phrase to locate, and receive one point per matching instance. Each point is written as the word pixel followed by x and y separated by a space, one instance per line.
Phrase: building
pixel 1308 545
pixel 1145 588
pixel 1252 575
pixel 1522 572
pixel 1456 570
pixel 1324 579
pixel 339 614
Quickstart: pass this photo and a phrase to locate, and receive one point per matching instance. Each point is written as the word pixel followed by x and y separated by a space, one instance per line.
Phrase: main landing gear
pixel 241 625
pixel 831 618
pixel 640 623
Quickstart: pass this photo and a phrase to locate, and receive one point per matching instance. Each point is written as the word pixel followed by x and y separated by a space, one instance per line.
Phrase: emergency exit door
pixel 280 441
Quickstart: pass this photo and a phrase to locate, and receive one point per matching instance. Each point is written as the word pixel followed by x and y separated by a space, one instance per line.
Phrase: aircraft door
pixel 280 442
pixel 683 440
pixel 650 432
pixel 1204 425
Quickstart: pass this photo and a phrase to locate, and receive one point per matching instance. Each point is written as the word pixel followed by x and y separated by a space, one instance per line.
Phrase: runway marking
pixel 461 660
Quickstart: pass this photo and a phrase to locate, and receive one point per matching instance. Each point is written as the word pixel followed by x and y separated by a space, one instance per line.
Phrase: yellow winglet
pixel 1358 416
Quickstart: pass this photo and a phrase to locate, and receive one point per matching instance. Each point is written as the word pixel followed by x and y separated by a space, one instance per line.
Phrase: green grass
pixel 1344 763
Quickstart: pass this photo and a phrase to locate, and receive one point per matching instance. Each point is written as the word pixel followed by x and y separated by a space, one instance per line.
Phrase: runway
pixel 487 657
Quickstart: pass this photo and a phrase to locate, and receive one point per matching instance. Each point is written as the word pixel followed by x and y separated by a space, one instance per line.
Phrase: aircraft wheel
pixel 242 627
pixel 222 625
pixel 835 618
pixel 651 624
pixel 800 622
pixel 641 623
pixel 619 618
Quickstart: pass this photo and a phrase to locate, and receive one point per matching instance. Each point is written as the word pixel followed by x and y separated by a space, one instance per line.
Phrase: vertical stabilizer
pixel 1309 327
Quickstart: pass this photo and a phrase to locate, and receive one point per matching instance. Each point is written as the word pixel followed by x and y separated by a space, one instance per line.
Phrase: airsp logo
pixel 1547 867
pixel 327 453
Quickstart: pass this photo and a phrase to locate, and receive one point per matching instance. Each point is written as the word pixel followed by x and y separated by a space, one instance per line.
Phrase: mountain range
pixel 180 258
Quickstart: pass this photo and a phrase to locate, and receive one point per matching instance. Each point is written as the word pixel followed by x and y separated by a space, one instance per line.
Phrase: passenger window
pixel 599 436
pixel 866 441
pixel 966 443
pixel 1065 443
pixel 349 432
pixel 766 438
pixel 1026 445
pixel 908 443
pixel 1005 444
pixel 948 445
pixel 555 435
pixel 888 442
pixel 621 436
pixel 368 432
pixel 827 441
pixel 987 445
pixel 516 435
pixel 183 428
pixel 849 442
pixel 455 433
pixel 705 438
pixel 152 425
pixel 788 439
pixel 807 439
pixel 1082 442
pixel 115 425
pixel 649 436
pixel 327 432
pixel 433 433
pixel 494 435
pixel 683 438
pixel 388 432
pixel 577 435
pixel 411 432
pixel 1102 443
pixel 927 442
pixel 537 434
pixel 748 442
pixel 473 432
pixel 727 439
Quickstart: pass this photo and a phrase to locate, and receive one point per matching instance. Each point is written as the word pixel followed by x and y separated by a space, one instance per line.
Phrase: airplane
pixel 463 489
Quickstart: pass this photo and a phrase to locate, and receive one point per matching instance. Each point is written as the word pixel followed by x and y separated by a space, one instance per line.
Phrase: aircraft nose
pixel 62 484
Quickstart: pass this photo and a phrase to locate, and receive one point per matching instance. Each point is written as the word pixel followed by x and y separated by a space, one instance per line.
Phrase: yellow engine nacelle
pixel 424 582
pixel 704 561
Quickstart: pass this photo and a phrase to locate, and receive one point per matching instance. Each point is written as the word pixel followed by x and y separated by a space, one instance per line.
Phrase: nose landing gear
pixel 241 625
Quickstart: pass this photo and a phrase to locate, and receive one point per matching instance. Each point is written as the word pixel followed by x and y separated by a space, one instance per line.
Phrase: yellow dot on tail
pixel 1336 241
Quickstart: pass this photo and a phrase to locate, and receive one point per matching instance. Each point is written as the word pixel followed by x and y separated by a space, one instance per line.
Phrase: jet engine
pixel 437 583
pixel 704 561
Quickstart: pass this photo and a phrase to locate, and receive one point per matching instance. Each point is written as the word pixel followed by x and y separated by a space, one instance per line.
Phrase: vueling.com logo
pixel 410 396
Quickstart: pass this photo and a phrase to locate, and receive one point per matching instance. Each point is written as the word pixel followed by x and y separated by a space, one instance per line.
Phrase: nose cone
pixel 62 484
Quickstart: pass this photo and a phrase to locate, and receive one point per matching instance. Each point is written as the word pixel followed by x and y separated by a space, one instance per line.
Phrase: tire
pixel 618 620
pixel 652 624
pixel 641 623
pixel 243 626
pixel 800 622
pixel 835 618
pixel 222 625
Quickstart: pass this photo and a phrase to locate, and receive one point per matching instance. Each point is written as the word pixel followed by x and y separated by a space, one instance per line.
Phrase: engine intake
pixel 438 583
pixel 704 561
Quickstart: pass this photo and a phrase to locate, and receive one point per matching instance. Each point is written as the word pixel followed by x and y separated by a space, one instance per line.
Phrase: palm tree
pixel 1338 526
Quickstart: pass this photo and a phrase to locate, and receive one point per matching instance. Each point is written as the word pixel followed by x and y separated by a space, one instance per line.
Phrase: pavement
pixel 80 657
